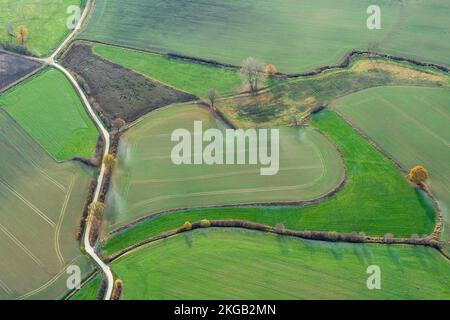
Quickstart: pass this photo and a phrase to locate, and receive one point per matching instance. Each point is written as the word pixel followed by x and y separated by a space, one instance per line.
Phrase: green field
pixel 190 77
pixel 411 124
pixel 236 264
pixel 376 200
pixel 145 179
pixel 293 35
pixel 45 20
pixel 89 290
pixel 49 109
pixel 41 206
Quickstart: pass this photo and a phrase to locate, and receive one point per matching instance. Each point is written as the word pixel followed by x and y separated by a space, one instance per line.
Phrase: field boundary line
pixel 50 61
pixel 84 283
pixel 425 128
pixel 343 62
pixel 5 287
pixel 21 245
pixel 60 220
pixel 133 70
pixel 219 175
pixel 28 203
pixel 438 227
pixel 23 78
pixel 243 224
pixel 48 283
pixel 300 204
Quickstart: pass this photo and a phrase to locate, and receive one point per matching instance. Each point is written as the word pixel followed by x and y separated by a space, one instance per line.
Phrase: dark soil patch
pixel 13 68
pixel 260 112
pixel 116 91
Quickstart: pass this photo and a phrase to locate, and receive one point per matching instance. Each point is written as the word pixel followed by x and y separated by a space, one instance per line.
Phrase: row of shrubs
pixel 333 236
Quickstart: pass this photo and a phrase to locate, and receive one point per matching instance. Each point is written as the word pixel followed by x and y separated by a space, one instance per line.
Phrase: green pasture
pixel 49 109
pixel 46 21
pixel 146 180
pixel 376 200
pixel 89 290
pixel 294 35
pixel 412 125
pixel 191 77
pixel 41 206
pixel 236 264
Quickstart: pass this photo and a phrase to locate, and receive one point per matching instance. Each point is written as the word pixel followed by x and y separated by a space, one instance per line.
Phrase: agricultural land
pixel 90 119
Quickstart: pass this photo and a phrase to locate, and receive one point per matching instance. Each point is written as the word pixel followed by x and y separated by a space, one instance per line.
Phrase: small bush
pixel 388 238
pixel 117 291
pixel 205 223
pixel 187 226
pixel 333 236
pixel 270 70
pixel 280 228
pixel 418 175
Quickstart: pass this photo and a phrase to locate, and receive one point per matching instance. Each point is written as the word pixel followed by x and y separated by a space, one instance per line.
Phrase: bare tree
pixel 118 124
pixel 252 69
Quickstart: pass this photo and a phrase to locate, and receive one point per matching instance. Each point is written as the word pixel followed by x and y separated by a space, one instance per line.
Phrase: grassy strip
pixel 190 77
pixel 376 199
pixel 224 264
pixel 49 109
pixel 89 290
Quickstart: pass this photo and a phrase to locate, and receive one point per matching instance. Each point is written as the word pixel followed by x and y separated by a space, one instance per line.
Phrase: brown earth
pixel 117 92
pixel 13 68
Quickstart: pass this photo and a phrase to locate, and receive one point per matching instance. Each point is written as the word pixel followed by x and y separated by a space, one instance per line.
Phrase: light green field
pixel 146 180
pixel 294 35
pixel 412 125
pixel 190 77
pixel 41 206
pixel 376 200
pixel 49 109
pixel 236 264
pixel 45 20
